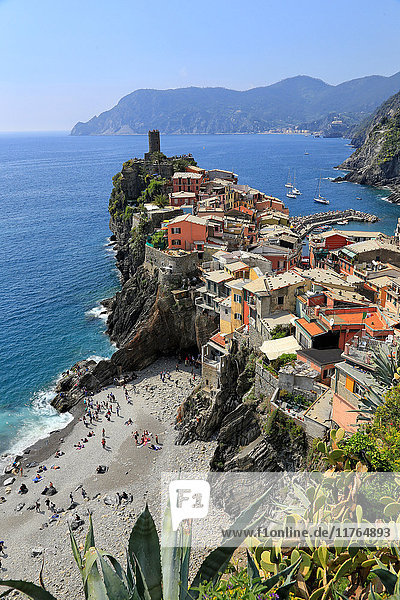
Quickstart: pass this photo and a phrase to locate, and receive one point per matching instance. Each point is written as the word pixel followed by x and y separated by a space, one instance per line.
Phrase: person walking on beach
pixel 71 498
pixel 103 443
pixel 37 506
pixel 103 432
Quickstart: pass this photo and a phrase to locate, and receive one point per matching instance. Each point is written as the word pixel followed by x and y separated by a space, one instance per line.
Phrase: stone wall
pixel 210 376
pixel 255 337
pixel 185 265
pixel 265 383
pixel 298 382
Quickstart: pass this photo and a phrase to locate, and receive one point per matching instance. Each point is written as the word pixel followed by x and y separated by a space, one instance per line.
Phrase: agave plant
pixel 152 573
pixel 386 366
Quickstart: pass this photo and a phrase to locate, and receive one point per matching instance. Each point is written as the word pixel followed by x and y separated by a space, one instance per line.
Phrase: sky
pixel 63 61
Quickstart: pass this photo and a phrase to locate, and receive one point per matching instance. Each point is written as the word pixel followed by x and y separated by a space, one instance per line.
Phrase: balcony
pixel 215 364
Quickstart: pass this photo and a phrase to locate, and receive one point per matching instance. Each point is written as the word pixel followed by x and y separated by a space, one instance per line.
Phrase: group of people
pixel 147 438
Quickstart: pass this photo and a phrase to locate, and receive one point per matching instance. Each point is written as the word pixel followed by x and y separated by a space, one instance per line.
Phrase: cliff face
pixel 377 159
pixel 234 417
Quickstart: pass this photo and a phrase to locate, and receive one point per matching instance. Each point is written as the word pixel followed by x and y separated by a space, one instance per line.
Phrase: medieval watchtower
pixel 154 141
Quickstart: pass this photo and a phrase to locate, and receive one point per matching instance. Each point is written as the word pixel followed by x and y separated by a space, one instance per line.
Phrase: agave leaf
pixel 211 569
pixel 30 589
pixel 272 581
pixel 252 570
pixel 130 570
pixel 118 569
pixel 75 549
pixel 217 561
pixel 175 556
pixel 301 495
pixel 94 586
pixel 144 549
pixel 89 560
pixel 115 587
pixel 89 542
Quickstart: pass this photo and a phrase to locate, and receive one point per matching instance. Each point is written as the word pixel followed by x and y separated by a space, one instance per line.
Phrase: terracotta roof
pixel 372 320
pixel 311 328
pixel 218 339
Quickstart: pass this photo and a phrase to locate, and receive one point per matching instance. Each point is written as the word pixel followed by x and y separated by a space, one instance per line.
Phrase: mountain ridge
pixel 290 102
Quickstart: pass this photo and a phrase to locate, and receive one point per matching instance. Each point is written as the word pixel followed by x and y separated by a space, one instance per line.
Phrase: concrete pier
pixel 305 224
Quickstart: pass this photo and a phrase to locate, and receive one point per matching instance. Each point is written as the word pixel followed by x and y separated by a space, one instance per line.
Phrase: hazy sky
pixel 63 61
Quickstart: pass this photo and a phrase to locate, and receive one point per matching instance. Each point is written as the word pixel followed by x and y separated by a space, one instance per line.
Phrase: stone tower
pixel 154 141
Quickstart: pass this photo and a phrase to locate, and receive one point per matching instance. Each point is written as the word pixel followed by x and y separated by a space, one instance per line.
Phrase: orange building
pixel 187 233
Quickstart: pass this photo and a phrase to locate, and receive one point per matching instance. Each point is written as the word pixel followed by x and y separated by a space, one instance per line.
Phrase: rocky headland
pixel 376 161
pixel 146 319
pixel 154 315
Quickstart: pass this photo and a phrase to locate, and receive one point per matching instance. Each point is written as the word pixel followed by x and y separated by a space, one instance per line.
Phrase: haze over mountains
pixel 302 101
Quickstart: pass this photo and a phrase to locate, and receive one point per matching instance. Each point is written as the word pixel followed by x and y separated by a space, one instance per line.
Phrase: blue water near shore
pixel 55 265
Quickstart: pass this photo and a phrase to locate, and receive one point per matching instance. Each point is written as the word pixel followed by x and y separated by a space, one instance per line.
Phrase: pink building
pixel 187 182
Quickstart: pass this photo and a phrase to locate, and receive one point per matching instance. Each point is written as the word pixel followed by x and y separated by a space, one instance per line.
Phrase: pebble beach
pixel 33 533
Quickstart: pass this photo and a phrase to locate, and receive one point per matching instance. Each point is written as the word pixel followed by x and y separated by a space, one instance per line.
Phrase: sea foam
pixel 97 312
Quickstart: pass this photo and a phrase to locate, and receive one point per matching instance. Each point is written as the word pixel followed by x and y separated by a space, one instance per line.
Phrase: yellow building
pixel 237 302
pixel 238 270
pixel 225 325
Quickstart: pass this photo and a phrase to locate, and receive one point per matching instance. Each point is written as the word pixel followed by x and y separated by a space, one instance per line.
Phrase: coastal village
pixel 244 335
pixel 315 321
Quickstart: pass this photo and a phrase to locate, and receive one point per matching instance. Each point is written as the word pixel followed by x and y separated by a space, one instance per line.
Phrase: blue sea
pixel 55 261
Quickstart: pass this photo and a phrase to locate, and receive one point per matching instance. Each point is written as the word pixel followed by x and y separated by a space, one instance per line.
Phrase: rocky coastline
pixel 376 160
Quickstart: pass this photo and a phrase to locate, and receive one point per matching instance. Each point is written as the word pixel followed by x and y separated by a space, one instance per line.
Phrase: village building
pixel 187 232
pixel 182 199
pixel 187 182
pixel 353 381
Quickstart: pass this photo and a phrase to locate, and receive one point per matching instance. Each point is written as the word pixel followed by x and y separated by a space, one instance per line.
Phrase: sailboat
pixel 319 198
pixel 288 184
pixel 291 194
pixel 295 191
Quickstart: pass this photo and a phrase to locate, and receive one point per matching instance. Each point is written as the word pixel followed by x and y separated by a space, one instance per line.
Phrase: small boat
pixel 306 153
pixel 342 222
pixel 289 183
pixel 358 198
pixel 291 194
pixel 318 198
pixel 295 191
